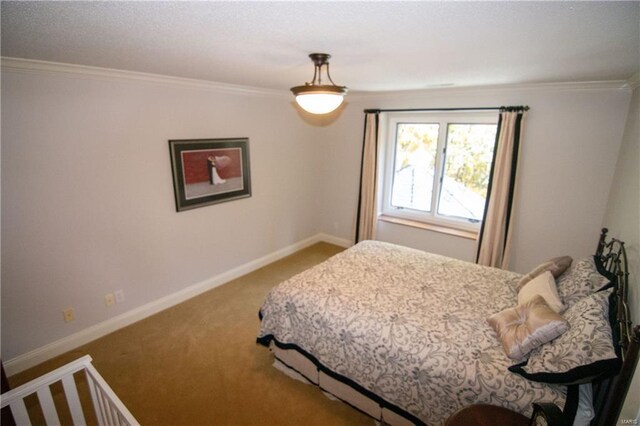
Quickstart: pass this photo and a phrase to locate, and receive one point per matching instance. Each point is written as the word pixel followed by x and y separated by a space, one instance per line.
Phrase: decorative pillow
pixel 556 266
pixel 545 286
pixel 583 353
pixel 579 281
pixel 527 326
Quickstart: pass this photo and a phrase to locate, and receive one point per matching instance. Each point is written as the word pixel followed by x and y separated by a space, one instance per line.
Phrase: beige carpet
pixel 198 364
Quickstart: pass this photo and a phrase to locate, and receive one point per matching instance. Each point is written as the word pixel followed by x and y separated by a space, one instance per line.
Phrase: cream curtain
pixel 367 202
pixel 495 235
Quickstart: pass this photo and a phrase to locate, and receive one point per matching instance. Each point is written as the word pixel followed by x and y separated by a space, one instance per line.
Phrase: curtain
pixel 495 234
pixel 367 204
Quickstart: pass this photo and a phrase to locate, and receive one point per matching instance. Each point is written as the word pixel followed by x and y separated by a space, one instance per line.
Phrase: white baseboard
pixel 46 352
pixel 342 242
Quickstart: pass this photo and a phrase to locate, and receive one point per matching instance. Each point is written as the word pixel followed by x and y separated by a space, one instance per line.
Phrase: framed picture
pixel 209 171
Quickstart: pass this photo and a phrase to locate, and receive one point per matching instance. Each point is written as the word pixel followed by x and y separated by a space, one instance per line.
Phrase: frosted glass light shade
pixel 319 103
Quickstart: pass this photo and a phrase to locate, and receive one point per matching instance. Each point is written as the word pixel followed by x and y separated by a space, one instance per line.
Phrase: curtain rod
pixel 500 108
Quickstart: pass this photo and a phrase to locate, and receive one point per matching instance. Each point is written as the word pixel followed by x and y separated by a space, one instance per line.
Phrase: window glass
pixel 467 164
pixel 437 166
pixel 415 163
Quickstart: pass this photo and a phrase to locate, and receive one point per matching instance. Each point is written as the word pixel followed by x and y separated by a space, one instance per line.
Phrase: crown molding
pixel 634 81
pixel 20 65
pixel 561 86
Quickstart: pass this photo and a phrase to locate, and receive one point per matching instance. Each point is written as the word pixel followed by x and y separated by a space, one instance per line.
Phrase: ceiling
pixel 375 46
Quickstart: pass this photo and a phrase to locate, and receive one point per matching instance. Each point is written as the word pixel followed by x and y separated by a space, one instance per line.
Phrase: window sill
pixel 471 235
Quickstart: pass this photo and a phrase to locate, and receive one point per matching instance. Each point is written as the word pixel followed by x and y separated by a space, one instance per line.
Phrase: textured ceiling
pixel 374 45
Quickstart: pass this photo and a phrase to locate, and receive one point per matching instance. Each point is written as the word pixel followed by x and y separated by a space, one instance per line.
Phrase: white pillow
pixel 545 286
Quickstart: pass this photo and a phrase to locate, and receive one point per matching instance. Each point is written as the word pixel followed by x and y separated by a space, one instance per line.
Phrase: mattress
pixel 405 328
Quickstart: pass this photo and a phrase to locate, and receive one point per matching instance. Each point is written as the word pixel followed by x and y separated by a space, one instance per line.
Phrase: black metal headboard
pixel 609 394
pixel 612 257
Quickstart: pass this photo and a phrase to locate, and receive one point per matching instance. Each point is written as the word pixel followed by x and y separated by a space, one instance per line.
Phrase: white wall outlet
pixel 119 296
pixel 68 315
pixel 109 299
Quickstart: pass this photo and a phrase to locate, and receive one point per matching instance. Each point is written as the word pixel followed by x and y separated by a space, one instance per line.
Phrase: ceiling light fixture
pixel 315 97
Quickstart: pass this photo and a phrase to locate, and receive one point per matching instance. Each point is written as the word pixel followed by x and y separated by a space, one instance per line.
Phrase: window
pixel 437 167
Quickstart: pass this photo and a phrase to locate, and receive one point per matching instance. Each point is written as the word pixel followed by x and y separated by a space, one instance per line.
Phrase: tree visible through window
pixel 416 148
pixel 468 155
pixel 440 169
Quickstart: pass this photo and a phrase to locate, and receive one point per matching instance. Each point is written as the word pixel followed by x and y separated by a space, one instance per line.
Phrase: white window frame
pixel 389 132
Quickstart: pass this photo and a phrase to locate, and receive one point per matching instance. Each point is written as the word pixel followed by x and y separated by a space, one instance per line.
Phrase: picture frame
pixel 209 171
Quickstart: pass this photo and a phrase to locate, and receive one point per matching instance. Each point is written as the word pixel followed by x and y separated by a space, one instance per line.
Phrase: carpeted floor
pixel 198 363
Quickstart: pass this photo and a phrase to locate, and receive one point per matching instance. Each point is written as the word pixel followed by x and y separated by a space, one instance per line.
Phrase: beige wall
pixel 87 196
pixel 623 220
pixel 571 138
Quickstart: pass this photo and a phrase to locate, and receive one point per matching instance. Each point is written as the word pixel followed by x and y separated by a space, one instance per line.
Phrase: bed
pixel 402 335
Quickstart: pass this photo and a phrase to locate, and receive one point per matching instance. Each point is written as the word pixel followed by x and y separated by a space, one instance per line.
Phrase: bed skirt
pixel 338 386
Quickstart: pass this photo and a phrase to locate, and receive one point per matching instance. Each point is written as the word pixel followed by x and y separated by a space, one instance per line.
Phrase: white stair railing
pixel 108 408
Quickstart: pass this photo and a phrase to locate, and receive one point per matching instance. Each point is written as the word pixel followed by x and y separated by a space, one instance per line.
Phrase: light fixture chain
pixel 329 75
pixel 316 74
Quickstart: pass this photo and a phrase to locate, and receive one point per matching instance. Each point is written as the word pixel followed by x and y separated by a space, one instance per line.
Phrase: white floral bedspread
pixel 408 326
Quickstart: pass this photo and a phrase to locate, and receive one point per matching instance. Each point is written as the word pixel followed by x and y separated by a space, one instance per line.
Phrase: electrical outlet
pixel 119 296
pixel 68 315
pixel 109 299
